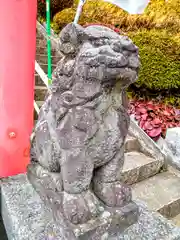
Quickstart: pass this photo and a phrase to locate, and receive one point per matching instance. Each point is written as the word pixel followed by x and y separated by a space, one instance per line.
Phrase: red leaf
pixel 137 116
pixel 154 132
pixel 142 110
pixel 172 111
pixel 150 107
pixel 141 105
pixel 144 117
pixel 141 124
pixel 170 125
pixel 150 103
pixel 156 121
pixel 147 126
pixel 151 114
pixel 166 113
pixel 149 119
pixel 156 108
pixel 156 138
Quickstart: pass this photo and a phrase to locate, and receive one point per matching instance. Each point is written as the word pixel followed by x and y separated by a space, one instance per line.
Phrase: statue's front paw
pixel 114 194
pixel 79 208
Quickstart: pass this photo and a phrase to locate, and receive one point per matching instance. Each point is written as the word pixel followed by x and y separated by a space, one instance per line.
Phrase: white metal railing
pixel 41 73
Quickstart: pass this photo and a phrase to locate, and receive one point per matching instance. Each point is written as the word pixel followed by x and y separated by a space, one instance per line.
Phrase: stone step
pixel 131 144
pixel 42 58
pixel 40 93
pixel 161 193
pixel 138 166
pixel 42 49
pixel 176 220
pixel 39 81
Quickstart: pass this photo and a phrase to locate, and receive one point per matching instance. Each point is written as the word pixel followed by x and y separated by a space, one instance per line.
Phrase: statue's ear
pixel 73 33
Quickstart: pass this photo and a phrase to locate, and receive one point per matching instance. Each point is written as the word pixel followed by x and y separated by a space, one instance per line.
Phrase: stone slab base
pixel 26 218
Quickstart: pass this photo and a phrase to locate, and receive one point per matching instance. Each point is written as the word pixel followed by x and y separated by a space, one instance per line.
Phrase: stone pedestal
pixel 26 218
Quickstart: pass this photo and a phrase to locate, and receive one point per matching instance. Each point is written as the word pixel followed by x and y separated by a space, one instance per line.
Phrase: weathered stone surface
pixel 176 220
pixel 138 166
pixel 26 217
pixel 147 145
pixel 173 141
pixel 131 144
pixel 161 193
pixel 171 158
pixel 77 153
pixel 170 146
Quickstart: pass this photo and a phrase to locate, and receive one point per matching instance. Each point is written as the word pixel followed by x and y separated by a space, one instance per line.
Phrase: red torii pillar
pixel 17 58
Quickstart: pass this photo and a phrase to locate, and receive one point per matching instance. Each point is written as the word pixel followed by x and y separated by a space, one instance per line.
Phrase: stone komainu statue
pixel 77 153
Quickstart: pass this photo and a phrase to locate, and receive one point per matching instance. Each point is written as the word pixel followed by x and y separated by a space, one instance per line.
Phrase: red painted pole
pixel 17 57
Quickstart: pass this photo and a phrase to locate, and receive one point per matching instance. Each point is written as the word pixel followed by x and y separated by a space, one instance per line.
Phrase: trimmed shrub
pixel 102 12
pixel 62 18
pixel 158 14
pixel 160 58
pixel 165 13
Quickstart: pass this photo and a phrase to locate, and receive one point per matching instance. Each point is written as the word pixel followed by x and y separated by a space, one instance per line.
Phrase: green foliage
pixel 160 58
pixel 165 13
pixel 103 12
pixel 62 18
pixel 158 14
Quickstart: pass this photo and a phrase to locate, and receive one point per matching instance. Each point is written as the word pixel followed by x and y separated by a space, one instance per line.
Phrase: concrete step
pixel 131 144
pixel 176 220
pixel 42 49
pixel 39 81
pixel 42 58
pixel 161 193
pixel 138 166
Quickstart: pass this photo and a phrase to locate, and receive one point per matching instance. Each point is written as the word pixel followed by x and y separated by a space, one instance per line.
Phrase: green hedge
pixel 158 14
pixel 160 58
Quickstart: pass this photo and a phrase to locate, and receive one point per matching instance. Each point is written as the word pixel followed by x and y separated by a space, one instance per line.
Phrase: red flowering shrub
pixel 154 118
